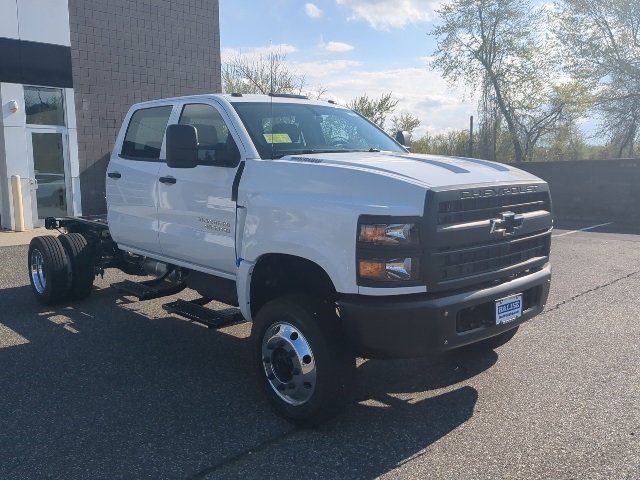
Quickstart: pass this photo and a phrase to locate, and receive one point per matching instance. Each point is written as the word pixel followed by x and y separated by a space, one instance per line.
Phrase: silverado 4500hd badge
pixel 215 225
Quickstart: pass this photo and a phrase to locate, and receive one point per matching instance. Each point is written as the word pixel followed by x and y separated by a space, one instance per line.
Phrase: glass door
pixel 47 146
pixel 48 185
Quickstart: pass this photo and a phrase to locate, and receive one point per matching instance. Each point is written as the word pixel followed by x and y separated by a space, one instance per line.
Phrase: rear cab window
pixel 145 133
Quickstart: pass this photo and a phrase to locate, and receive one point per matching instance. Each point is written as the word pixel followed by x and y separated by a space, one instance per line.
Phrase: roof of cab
pixel 244 98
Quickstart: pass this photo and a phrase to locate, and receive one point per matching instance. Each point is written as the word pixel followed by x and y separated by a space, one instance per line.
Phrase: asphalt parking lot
pixel 110 388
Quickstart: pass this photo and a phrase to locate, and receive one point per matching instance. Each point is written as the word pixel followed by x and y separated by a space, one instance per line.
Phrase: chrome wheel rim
pixel 38 275
pixel 289 364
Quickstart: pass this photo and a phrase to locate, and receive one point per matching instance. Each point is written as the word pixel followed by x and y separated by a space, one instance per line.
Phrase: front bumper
pixel 420 325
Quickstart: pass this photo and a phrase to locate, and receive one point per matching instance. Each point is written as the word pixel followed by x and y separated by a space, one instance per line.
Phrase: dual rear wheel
pixel 60 268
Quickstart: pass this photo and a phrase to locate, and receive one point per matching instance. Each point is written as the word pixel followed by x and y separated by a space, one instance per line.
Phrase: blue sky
pixel 351 47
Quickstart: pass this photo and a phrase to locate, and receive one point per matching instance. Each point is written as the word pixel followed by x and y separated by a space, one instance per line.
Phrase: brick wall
pixel 127 51
pixel 599 190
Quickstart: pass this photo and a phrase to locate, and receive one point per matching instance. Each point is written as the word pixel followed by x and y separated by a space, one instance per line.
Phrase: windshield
pixel 281 129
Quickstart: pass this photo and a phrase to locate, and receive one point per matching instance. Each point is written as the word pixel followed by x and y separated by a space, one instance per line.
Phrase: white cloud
pixel 337 47
pixel 420 92
pixel 385 14
pixel 228 54
pixel 319 72
pixel 312 10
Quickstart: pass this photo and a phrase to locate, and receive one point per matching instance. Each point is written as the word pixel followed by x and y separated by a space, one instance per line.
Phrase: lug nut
pixel 293 336
pixel 306 359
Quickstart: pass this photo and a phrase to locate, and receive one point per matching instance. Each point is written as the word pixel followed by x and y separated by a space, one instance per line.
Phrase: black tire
pixel 82 265
pixel 333 365
pixel 493 342
pixel 49 270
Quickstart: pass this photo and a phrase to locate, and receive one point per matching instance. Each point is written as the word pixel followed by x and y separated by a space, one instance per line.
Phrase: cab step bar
pixel 196 311
pixel 150 289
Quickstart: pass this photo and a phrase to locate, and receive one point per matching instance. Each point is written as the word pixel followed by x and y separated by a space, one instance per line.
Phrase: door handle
pixel 114 174
pixel 169 180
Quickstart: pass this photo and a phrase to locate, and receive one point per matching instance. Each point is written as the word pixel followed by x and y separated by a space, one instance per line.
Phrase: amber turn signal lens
pixel 401 234
pixel 394 270
pixel 373 233
pixel 373 270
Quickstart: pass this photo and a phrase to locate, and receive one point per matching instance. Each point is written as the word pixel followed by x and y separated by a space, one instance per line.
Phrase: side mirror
pixel 182 146
pixel 403 138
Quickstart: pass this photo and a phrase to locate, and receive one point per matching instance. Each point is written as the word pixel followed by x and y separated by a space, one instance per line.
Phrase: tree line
pixel 538 71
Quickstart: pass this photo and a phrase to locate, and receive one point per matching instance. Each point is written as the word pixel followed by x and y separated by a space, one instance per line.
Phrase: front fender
pixel 311 211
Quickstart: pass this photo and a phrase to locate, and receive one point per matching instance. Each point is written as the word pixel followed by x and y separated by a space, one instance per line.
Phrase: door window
pixel 44 106
pixel 143 140
pixel 215 143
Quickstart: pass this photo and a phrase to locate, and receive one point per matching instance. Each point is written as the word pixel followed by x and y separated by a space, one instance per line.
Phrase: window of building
pixel 143 140
pixel 44 106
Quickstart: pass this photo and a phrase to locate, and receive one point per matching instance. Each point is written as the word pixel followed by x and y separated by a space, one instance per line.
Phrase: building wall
pixel 126 51
pixel 34 50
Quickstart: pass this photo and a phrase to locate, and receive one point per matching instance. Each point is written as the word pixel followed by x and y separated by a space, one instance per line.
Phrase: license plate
pixel 508 309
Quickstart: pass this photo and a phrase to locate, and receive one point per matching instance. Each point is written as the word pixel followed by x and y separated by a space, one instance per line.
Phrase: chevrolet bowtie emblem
pixel 507 224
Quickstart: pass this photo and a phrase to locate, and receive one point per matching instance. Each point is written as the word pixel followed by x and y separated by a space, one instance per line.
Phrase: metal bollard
pixel 18 208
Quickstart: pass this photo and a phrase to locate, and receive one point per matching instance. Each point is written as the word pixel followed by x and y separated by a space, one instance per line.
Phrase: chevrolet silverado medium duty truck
pixel 308 220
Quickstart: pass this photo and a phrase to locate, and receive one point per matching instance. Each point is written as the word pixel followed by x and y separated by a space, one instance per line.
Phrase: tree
pixel 375 109
pixel 263 75
pixel 404 122
pixel 600 40
pixel 495 45
pixel 454 143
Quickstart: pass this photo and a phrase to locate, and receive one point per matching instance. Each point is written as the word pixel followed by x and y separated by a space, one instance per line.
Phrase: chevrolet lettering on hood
pixel 498 191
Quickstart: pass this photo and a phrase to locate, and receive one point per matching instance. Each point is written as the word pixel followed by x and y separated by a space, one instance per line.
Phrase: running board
pixel 197 312
pixel 149 289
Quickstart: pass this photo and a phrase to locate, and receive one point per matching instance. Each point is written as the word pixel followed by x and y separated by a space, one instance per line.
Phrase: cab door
pixel 132 179
pixel 197 216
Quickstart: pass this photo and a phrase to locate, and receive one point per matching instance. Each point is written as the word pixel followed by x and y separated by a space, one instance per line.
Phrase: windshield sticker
pixel 277 137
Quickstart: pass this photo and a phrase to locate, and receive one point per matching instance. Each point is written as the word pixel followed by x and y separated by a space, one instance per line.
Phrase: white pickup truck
pixel 308 220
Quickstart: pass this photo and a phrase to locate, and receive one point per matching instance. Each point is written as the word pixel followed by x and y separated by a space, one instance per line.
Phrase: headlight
pixel 388 251
pixel 394 270
pixel 405 234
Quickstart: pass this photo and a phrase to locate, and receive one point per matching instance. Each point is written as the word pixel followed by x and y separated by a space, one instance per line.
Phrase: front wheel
pixel 303 366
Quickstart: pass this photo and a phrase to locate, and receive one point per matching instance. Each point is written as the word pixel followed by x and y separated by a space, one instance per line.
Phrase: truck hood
pixel 427 170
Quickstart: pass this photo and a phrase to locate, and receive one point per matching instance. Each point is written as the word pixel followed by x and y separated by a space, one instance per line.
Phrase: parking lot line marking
pixel 582 229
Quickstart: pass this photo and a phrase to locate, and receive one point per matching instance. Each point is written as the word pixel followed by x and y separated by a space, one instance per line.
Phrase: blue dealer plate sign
pixel 508 309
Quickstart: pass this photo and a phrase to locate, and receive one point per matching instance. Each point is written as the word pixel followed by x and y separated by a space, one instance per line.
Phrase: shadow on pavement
pixel 103 391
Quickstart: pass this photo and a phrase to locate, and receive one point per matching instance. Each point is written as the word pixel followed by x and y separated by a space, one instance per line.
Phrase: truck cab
pixel 330 236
